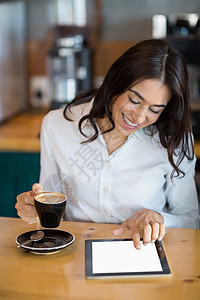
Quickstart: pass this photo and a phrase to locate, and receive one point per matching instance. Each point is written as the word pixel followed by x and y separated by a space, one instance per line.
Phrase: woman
pixel 123 153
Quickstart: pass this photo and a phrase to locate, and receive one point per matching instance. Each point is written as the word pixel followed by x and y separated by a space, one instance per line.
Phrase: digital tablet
pixel 119 258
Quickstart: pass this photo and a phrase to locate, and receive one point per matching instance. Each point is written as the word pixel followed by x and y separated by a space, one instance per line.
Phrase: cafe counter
pixel 22 133
pixel 19 158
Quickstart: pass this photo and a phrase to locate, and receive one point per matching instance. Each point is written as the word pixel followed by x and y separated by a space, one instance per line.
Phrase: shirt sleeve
pixel 49 171
pixel 182 201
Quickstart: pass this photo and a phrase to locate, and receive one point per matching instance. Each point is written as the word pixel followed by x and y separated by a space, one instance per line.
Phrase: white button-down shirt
pixel 111 188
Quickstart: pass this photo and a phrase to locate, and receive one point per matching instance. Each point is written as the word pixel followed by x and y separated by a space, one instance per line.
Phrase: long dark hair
pixel 149 59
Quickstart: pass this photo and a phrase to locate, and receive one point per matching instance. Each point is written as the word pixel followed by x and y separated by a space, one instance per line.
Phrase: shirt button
pixel 105 189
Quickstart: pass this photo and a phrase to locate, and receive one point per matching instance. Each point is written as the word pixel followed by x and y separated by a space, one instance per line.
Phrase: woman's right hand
pixel 25 204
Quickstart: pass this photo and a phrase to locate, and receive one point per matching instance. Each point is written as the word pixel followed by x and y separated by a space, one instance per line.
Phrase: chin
pixel 125 132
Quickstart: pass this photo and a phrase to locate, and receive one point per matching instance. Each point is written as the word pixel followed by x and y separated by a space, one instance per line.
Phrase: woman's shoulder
pixel 146 135
pixel 53 117
pixel 74 113
pixel 155 148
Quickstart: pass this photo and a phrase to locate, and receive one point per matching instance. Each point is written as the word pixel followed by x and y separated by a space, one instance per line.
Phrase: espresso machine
pixel 69 65
pixel 182 31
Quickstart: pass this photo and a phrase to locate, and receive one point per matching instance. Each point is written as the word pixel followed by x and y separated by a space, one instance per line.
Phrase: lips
pixel 128 123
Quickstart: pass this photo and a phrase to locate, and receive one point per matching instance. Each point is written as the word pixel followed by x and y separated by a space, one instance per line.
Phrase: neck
pixel 113 139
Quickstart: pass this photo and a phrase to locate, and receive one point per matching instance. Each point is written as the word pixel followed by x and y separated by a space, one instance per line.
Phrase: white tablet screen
pixel 122 257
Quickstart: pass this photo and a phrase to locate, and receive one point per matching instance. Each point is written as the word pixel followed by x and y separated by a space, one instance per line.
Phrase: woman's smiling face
pixel 140 106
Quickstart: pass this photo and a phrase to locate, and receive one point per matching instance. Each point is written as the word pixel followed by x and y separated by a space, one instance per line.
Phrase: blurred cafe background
pixel 52 49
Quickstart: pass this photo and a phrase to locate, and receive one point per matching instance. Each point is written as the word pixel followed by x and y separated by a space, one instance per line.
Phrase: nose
pixel 139 115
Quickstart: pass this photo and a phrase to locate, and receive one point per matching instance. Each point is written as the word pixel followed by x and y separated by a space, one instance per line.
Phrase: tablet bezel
pixel 88 262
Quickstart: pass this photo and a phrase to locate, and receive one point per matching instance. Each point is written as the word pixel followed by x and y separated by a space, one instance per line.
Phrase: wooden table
pixel 28 276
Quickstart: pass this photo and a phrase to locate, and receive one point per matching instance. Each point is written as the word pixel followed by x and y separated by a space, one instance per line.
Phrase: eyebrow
pixel 139 96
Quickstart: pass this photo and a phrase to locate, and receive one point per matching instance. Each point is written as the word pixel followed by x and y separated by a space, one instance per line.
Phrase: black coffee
pixel 50 207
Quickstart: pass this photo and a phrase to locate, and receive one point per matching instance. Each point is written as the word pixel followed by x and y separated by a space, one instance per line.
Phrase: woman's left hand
pixel 145 223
